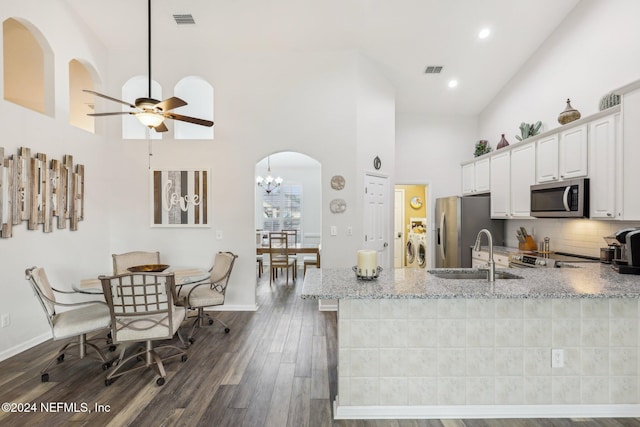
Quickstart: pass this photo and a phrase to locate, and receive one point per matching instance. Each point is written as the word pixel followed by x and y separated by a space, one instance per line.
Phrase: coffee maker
pixel 629 261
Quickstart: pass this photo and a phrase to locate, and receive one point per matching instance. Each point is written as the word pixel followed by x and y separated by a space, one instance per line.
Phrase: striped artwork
pixel 180 198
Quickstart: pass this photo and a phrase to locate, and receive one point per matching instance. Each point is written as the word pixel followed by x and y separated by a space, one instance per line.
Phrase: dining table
pixel 298 248
pixel 183 276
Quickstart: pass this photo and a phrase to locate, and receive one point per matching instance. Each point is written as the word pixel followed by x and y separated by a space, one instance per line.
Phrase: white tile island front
pixel 411 345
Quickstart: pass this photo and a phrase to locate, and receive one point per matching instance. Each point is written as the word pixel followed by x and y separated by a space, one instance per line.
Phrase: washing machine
pixel 421 249
pixel 411 253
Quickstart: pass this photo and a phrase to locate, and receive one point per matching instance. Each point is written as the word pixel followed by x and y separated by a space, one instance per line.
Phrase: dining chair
pixel 121 262
pixel 292 241
pixel 208 293
pixel 81 317
pixel 142 309
pixel 310 260
pixel 260 261
pixel 279 256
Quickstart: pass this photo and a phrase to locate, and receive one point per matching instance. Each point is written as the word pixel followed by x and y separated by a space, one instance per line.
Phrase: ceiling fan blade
pixel 109 98
pixel 161 127
pixel 170 104
pixel 188 119
pixel 118 113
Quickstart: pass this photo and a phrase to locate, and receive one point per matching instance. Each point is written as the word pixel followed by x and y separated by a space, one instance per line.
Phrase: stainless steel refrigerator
pixel 458 221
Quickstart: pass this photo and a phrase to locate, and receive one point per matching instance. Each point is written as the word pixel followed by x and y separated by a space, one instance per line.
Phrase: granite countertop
pixel 580 280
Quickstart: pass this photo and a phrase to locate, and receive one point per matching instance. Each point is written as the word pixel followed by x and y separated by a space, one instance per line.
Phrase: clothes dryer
pixel 411 253
pixel 421 249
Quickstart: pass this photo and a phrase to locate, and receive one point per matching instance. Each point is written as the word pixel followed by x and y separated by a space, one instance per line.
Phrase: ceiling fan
pixel 149 111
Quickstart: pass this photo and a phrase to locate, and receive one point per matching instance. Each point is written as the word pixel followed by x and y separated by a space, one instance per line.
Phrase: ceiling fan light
pixel 150 119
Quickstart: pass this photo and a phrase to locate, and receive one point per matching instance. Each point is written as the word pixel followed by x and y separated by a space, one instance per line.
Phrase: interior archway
pixel 296 203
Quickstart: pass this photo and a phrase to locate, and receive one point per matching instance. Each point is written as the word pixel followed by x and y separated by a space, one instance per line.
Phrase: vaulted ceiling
pixel 402 36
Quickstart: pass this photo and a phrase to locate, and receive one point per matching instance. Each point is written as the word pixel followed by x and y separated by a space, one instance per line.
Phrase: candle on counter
pixel 367 262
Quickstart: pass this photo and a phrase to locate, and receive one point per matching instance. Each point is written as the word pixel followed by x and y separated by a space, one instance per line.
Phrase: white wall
pixel 594 51
pixel 67 255
pixel 312 103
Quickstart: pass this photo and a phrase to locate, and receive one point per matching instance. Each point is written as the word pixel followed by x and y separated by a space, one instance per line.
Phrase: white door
pixel 376 217
pixel 398 232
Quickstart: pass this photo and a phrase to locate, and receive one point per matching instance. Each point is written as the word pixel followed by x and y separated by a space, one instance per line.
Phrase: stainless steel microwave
pixel 562 199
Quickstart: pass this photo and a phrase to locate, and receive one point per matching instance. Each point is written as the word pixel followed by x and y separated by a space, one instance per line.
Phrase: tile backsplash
pixel 576 236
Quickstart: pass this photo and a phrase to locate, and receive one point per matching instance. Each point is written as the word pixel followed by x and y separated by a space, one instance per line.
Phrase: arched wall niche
pixel 199 94
pixel 28 66
pixel 82 76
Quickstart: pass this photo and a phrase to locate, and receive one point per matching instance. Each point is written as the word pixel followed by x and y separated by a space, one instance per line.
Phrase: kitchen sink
pixel 472 274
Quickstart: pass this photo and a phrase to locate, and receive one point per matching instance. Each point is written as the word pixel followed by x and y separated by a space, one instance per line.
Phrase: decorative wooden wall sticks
pixel 35 190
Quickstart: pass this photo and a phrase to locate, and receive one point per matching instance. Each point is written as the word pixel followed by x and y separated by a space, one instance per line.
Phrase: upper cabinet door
pixel 500 185
pixel 523 176
pixel 482 174
pixel 547 159
pixel 574 156
pixel 468 178
pixel 602 167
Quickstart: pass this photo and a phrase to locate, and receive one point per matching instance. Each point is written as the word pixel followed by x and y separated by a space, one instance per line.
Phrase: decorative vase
pixel 503 143
pixel 569 114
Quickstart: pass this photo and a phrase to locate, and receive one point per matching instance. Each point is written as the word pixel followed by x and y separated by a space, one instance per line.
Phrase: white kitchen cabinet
pixel 562 155
pixel 480 258
pixel 522 177
pixel 475 177
pixel 573 155
pixel 602 167
pixel 628 175
pixel 547 159
pixel 500 184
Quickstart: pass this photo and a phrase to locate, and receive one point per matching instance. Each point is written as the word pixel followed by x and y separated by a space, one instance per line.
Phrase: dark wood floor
pixel 277 367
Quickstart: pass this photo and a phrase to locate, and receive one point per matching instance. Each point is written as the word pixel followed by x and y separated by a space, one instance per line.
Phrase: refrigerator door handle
pixel 442 236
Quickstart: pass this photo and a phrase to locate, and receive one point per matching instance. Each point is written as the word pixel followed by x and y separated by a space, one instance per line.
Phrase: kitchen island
pixel 556 343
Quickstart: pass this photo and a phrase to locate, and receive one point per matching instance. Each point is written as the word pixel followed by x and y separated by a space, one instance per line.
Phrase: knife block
pixel 528 245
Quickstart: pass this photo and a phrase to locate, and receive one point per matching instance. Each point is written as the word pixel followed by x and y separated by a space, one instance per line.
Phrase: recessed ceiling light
pixel 452 83
pixel 484 33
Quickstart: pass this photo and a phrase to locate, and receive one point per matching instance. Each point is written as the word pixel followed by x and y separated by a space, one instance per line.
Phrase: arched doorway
pixel 294 204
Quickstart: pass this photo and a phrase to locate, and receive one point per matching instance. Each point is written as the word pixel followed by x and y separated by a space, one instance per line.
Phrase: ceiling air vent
pixel 184 19
pixel 433 69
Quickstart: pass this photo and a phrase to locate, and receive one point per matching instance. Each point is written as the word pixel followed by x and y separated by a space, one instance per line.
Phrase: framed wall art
pixel 180 198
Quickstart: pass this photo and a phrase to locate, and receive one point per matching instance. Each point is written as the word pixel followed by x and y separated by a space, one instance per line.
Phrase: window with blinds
pixel 282 209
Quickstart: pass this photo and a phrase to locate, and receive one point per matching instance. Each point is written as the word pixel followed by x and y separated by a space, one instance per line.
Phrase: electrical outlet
pixel 557 358
pixel 5 320
pixel 349 231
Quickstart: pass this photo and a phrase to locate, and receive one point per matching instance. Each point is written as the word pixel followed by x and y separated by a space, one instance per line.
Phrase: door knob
pixel 385 244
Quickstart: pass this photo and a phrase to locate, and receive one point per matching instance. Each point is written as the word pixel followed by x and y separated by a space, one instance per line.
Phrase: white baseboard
pixel 327 305
pixel 10 352
pixel 485 411
pixel 227 307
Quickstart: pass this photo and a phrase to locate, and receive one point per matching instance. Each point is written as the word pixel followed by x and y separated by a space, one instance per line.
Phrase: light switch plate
pixel 334 230
pixel 218 234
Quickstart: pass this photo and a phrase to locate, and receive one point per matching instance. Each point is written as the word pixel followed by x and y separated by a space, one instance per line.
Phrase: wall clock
pixel 416 202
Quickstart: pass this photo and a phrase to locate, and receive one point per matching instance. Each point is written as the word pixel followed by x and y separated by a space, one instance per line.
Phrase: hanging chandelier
pixel 269 183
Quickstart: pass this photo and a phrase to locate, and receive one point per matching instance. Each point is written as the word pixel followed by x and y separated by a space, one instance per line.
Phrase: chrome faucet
pixel 492 265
